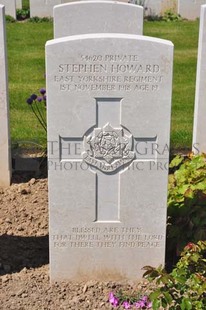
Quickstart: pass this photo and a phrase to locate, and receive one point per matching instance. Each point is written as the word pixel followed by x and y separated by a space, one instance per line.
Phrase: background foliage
pixel 186 203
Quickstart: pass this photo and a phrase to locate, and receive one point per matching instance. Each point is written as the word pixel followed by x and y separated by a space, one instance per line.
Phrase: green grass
pixel 25 4
pixel 184 36
pixel 26 43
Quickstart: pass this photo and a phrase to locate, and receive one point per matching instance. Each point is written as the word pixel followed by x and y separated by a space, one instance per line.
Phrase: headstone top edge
pixel 108 2
pixel 2 6
pixel 107 36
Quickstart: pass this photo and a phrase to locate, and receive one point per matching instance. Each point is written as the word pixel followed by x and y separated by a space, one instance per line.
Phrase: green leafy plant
pixel 185 287
pixel 22 14
pixel 171 16
pixel 37 19
pixel 10 19
pixel 186 202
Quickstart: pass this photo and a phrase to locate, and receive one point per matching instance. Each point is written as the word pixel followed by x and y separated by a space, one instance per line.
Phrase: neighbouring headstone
pixel 199 128
pixel 5 159
pixel 158 7
pixel 43 8
pixel 190 9
pixel 109 103
pixel 107 16
pixel 18 4
pixel 10 7
pixel 169 5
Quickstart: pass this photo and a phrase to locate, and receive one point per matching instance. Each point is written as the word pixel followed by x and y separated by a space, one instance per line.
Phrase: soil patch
pixel 24 256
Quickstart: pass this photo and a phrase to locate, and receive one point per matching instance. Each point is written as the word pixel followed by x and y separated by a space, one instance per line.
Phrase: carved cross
pixel 109 148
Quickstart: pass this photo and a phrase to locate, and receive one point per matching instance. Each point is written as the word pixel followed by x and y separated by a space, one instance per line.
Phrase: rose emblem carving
pixel 108 148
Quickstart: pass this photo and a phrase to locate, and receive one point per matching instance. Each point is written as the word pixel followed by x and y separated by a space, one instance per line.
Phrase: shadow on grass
pixel 17 252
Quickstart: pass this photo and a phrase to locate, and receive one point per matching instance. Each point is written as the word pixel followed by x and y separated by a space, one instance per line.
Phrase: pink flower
pixel 126 305
pixel 139 304
pixel 143 303
pixel 149 305
pixel 145 298
pixel 113 300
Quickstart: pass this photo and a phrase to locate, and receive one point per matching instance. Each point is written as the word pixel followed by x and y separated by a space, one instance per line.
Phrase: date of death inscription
pixel 109 73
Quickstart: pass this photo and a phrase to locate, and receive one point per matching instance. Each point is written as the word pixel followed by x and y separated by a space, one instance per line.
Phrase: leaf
pixel 202 245
pixel 176 161
pixel 165 279
pixel 184 188
pixel 171 179
pixel 156 304
pixel 200 186
pixel 150 272
pixel 168 297
pixel 197 162
pixel 155 295
pixel 189 193
pixel 186 304
pixel 195 257
pixel 181 279
pixel 180 177
pixel 164 303
pixel 148 268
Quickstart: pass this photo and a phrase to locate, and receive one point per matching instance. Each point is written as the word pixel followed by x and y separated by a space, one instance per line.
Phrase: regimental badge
pixel 108 148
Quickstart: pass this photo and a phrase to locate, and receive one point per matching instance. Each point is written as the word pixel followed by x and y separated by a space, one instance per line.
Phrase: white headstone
pixel 18 4
pixel 107 16
pixel 109 102
pixel 190 9
pixel 199 128
pixel 169 5
pixel 10 7
pixel 5 160
pixel 158 7
pixel 43 8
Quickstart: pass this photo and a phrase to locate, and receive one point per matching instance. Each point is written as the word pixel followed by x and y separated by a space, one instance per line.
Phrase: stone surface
pixel 5 165
pixel 19 4
pixel 190 9
pixel 109 102
pixel 43 8
pixel 158 7
pixel 10 7
pixel 169 5
pixel 107 16
pixel 199 128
